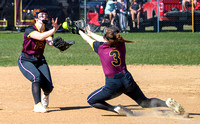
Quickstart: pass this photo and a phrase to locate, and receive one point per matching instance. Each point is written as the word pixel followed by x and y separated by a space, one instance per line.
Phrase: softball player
pixel 32 63
pixel 111 50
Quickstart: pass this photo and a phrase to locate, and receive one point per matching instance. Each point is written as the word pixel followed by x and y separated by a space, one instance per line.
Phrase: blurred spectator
pixel 122 8
pixel 111 10
pixel 187 3
pixel 135 9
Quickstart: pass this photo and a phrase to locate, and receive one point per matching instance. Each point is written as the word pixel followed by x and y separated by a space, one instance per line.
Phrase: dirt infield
pixel 74 83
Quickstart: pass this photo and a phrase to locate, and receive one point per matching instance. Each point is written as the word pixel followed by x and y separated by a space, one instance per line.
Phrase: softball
pixel 64 25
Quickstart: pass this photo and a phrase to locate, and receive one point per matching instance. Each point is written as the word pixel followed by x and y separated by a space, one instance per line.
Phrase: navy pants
pixel 37 71
pixel 121 83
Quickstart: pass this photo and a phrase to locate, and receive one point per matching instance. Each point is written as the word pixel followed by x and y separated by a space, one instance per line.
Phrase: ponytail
pixel 119 38
pixel 114 38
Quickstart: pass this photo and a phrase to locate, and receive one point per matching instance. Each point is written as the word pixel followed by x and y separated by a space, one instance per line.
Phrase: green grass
pixel 168 48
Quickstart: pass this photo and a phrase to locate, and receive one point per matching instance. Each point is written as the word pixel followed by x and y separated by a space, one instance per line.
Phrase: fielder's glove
pixel 73 27
pixel 62 45
pixel 75 30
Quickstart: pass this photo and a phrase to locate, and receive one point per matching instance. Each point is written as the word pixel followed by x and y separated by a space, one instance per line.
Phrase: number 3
pixel 116 57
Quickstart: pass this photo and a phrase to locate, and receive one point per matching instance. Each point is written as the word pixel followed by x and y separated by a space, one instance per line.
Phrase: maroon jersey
pixel 112 59
pixel 33 46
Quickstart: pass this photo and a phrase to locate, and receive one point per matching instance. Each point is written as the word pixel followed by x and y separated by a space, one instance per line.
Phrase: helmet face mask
pixel 45 21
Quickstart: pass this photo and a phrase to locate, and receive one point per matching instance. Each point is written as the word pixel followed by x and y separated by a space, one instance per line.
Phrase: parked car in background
pixel 171 13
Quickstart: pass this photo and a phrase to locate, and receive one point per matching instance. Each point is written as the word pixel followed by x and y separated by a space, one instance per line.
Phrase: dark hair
pixel 113 36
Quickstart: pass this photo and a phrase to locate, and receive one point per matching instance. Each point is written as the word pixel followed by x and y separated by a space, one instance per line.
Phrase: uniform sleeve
pixel 96 45
pixel 28 31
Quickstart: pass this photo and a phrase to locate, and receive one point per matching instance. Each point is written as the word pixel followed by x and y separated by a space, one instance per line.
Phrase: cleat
pixel 176 107
pixel 45 100
pixel 123 111
pixel 39 108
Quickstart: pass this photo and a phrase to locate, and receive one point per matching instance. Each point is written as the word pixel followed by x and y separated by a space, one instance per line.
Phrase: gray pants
pixel 37 71
pixel 123 20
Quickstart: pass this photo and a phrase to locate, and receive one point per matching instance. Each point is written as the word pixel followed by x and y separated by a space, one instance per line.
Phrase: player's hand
pixel 54 24
pixel 80 31
pixel 88 30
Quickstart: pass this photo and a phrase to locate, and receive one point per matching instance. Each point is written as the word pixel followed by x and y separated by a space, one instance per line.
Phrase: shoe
pixel 39 108
pixel 176 107
pixel 45 100
pixel 123 111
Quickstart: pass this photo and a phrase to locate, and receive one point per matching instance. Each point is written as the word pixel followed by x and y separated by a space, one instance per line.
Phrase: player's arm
pixel 86 38
pixel 42 36
pixel 49 41
pixel 95 36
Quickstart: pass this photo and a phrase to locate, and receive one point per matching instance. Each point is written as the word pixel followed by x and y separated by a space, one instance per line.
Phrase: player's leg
pixel 143 101
pixel 134 92
pixel 29 70
pixel 97 99
pixel 111 90
pixel 46 83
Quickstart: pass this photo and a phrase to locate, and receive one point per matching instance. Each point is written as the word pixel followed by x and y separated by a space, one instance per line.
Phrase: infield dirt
pixel 73 84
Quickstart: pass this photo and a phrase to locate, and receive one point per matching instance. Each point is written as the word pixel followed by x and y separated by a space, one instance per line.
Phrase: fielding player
pixel 32 63
pixel 111 50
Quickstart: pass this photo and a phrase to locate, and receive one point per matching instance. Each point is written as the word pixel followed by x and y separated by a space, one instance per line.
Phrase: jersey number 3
pixel 116 57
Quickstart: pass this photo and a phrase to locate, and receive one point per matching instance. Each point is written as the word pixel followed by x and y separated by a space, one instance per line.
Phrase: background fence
pixel 155 15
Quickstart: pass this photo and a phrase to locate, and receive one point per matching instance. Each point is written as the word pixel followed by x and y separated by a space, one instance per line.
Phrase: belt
pixel 32 56
pixel 113 75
